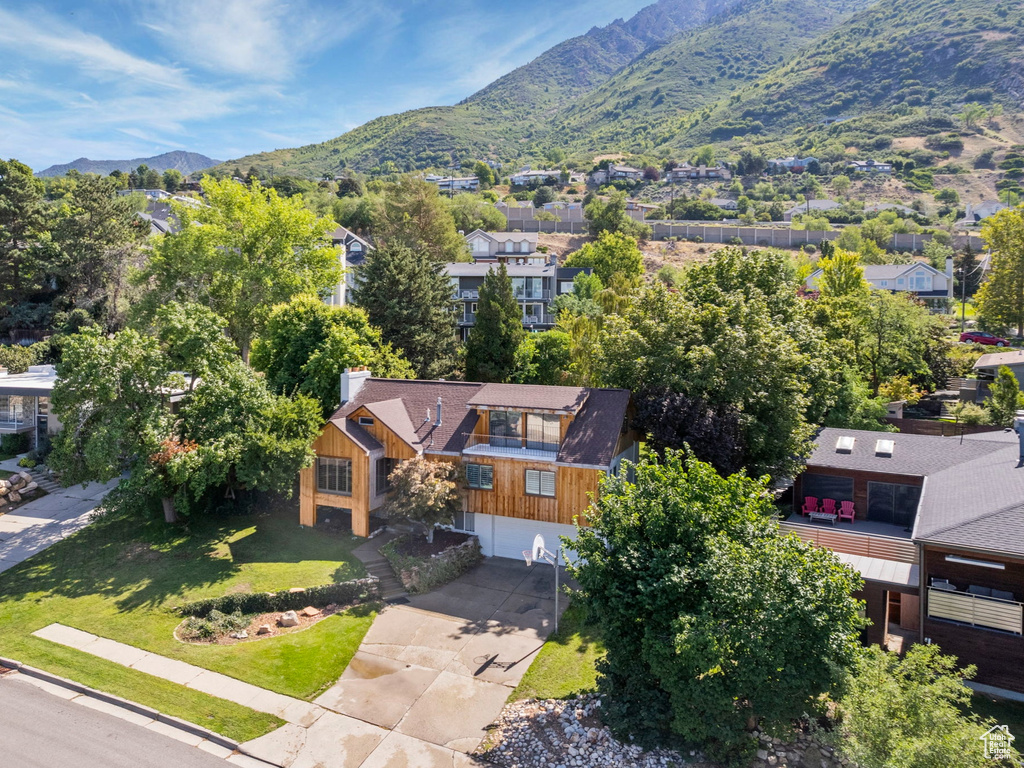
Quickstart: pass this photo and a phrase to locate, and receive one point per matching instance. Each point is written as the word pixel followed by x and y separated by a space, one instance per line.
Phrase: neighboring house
pixel 976 213
pixel 624 172
pixel 794 164
pixel 526 177
pixel 869 166
pixel 687 172
pixel 638 211
pixel 725 203
pixel 520 212
pixel 454 183
pixel 353 252
pixel 511 247
pixel 811 207
pixel 535 283
pixel 921 279
pixel 161 195
pixel 565 211
pixel 532 455
pixel 938 538
pixel 902 210
pixel 988 365
pixel 25 403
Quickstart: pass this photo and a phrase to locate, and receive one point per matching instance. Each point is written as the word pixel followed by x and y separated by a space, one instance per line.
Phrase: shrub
pixel 734 241
pixel 13 444
pixel 422 574
pixel 810 248
pixel 214 625
pixel 271 602
pixel 27 462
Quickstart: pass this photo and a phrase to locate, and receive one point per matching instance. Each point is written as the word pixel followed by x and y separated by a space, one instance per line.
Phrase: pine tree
pixel 22 222
pixel 491 348
pixel 410 299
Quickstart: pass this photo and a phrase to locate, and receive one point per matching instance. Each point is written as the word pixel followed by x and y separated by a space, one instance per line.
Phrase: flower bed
pixel 249 603
pixel 421 570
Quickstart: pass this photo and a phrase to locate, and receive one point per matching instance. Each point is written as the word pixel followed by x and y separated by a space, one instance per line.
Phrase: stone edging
pixel 130 706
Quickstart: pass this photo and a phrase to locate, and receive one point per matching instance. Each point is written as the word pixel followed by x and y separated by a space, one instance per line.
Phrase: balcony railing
pixel 541 319
pixel 524 295
pixel 852 542
pixel 510 446
pixel 976 610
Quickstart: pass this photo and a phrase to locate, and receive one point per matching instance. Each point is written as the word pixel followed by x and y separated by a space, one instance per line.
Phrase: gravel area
pixel 567 734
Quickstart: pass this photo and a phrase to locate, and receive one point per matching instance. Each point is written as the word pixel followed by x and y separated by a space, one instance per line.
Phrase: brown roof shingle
pixel 542 398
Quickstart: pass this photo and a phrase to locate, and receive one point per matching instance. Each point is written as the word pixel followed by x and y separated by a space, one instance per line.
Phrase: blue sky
pixel 114 79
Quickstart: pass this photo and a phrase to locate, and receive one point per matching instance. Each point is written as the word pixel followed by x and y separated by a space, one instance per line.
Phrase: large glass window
pixel 528 287
pixel 384 468
pixel 12 409
pixel 506 429
pixel 540 483
pixel 542 432
pixel 334 476
pixel 827 487
pixel 892 503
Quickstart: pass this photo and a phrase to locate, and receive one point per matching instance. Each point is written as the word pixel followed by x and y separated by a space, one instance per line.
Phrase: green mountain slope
pixel 883 67
pixel 697 68
pixel 509 113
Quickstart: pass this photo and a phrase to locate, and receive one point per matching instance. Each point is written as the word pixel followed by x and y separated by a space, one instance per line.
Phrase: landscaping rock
pixel 240 635
pixel 297 590
pixel 264 629
pixel 310 611
pixel 14 497
pixel 289 619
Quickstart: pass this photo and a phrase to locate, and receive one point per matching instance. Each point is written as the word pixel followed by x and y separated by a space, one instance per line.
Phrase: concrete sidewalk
pixel 43 522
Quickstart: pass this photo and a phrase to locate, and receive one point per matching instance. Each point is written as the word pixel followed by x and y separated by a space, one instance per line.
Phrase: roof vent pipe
pixel 437 421
pixel 1018 427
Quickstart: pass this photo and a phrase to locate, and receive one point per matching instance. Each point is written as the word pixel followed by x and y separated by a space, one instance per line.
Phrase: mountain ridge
pixel 179 160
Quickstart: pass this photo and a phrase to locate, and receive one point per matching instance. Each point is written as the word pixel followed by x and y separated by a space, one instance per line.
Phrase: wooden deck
pixel 862 539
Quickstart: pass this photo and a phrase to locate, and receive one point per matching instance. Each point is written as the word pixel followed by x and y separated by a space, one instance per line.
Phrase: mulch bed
pixel 270 619
pixel 418 546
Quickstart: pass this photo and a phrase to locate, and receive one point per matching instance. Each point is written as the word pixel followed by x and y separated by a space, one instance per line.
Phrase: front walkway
pixel 40 523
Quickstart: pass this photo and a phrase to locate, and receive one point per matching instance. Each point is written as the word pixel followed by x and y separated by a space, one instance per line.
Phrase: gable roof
pixel 814 205
pixel 346 235
pixel 889 271
pixel 408 408
pixel 996 359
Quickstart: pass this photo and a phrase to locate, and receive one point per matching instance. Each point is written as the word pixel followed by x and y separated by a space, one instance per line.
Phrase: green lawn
pixel 120 578
pixel 1003 711
pixel 566 664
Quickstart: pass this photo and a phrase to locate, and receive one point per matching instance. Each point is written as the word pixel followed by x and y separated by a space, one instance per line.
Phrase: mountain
pixel 186 162
pixel 895 69
pixel 696 68
pixel 497 121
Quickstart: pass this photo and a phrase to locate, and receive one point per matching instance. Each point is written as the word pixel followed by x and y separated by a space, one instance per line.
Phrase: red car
pixel 980 337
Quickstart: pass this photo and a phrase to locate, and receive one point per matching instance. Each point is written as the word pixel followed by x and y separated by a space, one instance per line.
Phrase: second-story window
pixel 542 431
pixel 506 429
pixel 540 483
pixel 480 476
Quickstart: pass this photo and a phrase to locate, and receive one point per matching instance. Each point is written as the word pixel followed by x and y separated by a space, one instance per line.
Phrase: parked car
pixel 980 337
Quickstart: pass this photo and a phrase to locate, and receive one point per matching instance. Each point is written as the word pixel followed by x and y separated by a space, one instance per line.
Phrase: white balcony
pixel 509 448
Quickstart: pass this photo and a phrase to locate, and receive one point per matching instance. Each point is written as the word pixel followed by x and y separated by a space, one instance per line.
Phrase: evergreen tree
pixel 410 299
pixel 22 221
pixel 1006 397
pixel 491 348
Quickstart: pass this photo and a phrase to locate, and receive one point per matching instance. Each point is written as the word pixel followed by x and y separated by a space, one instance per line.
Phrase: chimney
pixel 437 421
pixel 352 381
pixel 1018 427
pixel 949 277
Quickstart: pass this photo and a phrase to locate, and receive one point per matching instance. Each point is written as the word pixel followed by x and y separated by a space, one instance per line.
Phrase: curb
pixel 131 706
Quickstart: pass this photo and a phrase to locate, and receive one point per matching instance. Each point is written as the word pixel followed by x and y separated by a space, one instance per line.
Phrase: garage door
pixel 512 535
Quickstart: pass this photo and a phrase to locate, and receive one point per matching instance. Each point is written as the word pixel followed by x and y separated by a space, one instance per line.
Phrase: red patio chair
pixel 846 511
pixel 828 506
pixel 810 505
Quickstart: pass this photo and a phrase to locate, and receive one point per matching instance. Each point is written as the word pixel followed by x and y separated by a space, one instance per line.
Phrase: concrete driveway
pixel 437 671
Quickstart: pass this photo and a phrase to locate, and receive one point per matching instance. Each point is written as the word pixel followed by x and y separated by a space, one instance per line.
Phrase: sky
pixel 114 79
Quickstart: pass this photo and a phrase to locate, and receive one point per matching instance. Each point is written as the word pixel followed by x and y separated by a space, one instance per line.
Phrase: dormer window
pixel 356 247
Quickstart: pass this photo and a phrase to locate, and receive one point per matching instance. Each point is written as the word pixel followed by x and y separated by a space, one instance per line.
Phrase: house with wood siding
pixel 938 536
pixel 532 456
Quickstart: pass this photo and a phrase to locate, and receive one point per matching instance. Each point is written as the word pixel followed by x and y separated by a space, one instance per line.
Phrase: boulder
pixel 289 619
pixel 310 611
pixel 297 590
pixel 26 478
pixel 14 497
pixel 263 630
pixel 30 487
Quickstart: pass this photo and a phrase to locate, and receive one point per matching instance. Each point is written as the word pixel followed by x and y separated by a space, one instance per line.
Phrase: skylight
pixel 845 444
pixel 884 447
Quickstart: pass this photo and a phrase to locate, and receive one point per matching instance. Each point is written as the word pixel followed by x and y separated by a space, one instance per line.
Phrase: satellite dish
pixel 538 547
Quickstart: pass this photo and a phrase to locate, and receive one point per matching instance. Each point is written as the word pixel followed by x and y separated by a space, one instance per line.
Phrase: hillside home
pixel 535 283
pixel 624 173
pixel 513 247
pixel 565 211
pixel 902 210
pixel 918 278
pixel 687 172
pixel 353 251
pixel 935 525
pixel 531 455
pixel 638 211
pixel 869 166
pixel 977 212
pixel 25 403
pixel 811 207
pixel 792 164
pixel 526 177
pixel 454 183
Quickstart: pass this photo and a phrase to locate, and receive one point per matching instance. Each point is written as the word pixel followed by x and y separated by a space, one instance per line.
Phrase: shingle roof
pixel 915 455
pixel 996 359
pixel 529 396
pixel 594 433
pixel 403 406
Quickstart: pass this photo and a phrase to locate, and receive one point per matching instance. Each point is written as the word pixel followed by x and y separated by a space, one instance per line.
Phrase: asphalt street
pixel 40 730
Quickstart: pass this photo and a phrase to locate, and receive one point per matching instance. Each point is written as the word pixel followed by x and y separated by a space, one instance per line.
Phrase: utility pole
pixel 963 298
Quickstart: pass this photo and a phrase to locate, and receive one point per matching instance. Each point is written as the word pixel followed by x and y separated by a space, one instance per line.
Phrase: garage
pixel 509 536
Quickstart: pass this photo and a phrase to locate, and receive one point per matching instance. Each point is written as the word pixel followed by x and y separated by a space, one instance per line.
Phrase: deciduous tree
pixel 610 216
pixel 610 254
pixel 1006 397
pixel 1001 297
pixel 412 213
pixel 424 492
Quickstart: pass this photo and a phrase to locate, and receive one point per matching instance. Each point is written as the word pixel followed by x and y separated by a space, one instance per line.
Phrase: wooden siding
pixel 996 654
pixel 333 443
pixel 509 498
pixel 863 544
pixel 394 446
pixel 860 485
